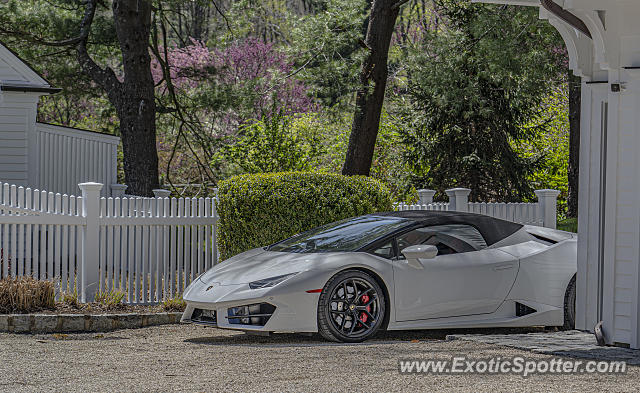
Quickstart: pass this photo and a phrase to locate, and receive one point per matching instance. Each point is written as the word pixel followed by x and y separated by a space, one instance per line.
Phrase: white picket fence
pixel 152 248
pixel 148 248
pixel 543 213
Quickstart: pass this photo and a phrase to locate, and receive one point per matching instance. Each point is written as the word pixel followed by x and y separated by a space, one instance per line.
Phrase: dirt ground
pixel 189 358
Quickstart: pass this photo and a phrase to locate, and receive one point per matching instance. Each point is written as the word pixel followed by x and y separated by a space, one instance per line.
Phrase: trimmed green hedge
pixel 258 210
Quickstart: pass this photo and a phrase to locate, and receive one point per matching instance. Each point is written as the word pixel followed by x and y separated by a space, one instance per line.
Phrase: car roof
pixel 492 229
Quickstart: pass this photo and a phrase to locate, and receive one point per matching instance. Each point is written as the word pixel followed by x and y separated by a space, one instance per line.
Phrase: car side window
pixel 384 251
pixel 449 239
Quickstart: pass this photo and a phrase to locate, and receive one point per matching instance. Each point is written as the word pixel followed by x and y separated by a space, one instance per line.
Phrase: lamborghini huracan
pixel 395 271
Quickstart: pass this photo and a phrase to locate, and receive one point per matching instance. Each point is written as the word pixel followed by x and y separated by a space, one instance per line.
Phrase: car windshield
pixel 346 235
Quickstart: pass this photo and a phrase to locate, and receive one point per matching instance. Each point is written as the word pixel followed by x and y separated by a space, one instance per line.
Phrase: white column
pixel 90 275
pixel 426 196
pixel 459 199
pixel 548 207
pixel 621 214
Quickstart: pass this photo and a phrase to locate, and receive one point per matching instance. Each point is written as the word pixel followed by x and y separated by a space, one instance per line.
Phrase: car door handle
pixel 503 266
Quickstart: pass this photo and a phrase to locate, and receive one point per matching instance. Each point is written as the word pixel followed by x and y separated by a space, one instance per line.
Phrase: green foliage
pixel 273 145
pixel 333 129
pixel 475 88
pixel 26 23
pixel 553 143
pixel 326 43
pixel 258 210
pixel 569 225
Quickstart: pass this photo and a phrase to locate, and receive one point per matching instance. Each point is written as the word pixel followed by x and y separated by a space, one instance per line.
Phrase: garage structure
pixel 603 42
pixel 47 156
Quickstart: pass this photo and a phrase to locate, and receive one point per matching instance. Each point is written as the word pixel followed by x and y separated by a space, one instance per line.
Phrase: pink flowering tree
pixel 253 73
pixel 210 94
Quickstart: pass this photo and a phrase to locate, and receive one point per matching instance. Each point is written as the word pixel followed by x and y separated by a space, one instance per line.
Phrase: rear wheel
pixel 351 307
pixel 570 306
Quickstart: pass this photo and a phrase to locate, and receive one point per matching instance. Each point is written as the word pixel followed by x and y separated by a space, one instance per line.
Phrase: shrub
pixel 25 295
pixel 258 210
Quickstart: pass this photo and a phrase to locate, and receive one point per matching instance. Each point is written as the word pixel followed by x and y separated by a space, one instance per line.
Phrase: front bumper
pixel 295 310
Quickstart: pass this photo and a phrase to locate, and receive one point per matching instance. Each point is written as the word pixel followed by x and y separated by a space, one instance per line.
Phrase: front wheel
pixel 351 307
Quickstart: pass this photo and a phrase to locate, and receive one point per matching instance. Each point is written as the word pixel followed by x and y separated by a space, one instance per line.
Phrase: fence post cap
pixel 119 187
pixel 547 193
pixel 426 191
pixel 161 193
pixel 90 186
pixel 458 191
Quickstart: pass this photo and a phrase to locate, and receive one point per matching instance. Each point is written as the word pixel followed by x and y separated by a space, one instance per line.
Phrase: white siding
pixel 624 275
pixel 16 113
pixel 64 157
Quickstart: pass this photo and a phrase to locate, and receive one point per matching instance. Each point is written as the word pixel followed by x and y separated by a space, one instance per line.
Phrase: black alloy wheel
pixel 351 307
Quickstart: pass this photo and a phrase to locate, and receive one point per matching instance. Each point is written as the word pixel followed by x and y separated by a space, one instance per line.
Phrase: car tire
pixel 570 306
pixel 334 320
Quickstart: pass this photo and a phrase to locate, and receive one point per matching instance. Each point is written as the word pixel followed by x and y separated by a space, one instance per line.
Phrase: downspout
pixel 566 16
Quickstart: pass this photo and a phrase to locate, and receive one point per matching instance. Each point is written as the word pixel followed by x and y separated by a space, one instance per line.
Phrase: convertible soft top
pixel 492 229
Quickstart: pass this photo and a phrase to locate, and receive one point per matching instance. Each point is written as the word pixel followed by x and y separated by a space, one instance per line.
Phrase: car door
pixel 457 282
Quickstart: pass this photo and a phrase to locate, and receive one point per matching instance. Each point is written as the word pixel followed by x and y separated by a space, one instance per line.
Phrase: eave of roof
pixel 31 89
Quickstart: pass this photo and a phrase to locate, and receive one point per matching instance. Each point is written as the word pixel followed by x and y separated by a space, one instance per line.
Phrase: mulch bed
pixel 97 308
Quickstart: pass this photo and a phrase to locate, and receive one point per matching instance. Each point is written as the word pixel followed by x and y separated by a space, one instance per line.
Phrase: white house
pixel 603 42
pixel 45 156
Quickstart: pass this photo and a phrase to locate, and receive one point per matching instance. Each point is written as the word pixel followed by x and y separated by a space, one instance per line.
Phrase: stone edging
pixel 77 323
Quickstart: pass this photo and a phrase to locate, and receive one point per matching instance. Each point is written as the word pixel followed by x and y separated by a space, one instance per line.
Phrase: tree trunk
pixel 575 92
pixel 136 105
pixel 373 82
pixel 133 97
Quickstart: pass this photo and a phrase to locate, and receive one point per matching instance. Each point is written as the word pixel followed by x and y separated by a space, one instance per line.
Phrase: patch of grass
pixel 25 295
pixel 110 299
pixel 70 298
pixel 569 225
pixel 174 304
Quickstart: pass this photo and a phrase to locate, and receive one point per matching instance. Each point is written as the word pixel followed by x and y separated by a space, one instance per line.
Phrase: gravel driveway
pixel 191 358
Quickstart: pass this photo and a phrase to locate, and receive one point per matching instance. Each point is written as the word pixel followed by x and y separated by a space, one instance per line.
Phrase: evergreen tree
pixel 476 85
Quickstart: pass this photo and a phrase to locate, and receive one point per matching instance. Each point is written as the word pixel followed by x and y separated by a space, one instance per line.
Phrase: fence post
pixel 548 206
pixel 426 196
pixel 89 262
pixel 458 199
pixel 161 193
pixel 118 190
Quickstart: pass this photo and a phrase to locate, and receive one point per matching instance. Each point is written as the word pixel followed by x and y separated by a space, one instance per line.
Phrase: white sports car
pixel 395 271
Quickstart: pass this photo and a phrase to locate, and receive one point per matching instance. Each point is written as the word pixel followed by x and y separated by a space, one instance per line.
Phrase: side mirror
pixel 415 253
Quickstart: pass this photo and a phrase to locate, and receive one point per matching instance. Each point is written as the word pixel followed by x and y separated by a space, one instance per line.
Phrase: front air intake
pixel 206 317
pixel 252 314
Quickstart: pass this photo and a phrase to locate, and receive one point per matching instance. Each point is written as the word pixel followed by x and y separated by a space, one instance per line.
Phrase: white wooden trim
pixel 30 76
pixel 77 133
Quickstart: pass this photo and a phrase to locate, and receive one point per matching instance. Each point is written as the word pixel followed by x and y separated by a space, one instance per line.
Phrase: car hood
pixel 259 264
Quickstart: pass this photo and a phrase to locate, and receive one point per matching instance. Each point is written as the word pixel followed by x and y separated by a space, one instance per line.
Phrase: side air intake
pixel 522 310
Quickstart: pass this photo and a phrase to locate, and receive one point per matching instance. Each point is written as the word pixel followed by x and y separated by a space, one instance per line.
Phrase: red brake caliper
pixel 363 316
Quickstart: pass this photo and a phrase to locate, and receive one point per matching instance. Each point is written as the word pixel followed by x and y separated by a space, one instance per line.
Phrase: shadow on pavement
pixel 387 337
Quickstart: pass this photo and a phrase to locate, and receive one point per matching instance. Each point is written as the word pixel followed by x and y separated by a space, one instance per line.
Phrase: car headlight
pixel 270 282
